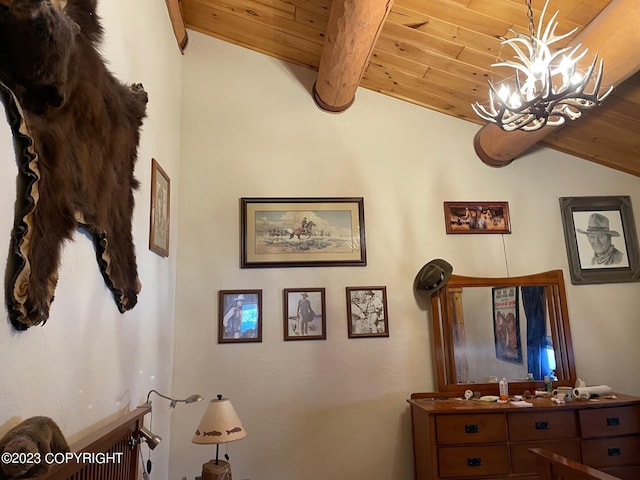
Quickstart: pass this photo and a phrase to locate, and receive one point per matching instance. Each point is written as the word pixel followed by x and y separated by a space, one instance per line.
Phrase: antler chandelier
pixel 548 88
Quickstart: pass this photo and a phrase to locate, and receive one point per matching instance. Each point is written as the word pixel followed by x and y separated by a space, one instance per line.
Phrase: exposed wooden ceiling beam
pixel 177 21
pixel 615 36
pixel 354 27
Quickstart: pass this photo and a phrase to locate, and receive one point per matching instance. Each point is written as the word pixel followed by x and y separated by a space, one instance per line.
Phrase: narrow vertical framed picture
pixel 239 316
pixel 601 239
pixel 506 324
pixel 367 312
pixel 304 314
pixel 159 214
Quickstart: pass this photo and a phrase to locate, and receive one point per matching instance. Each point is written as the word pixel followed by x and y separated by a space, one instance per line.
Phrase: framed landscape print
pixel 239 316
pixel 601 239
pixel 302 232
pixel 477 217
pixel 367 312
pixel 304 314
pixel 160 202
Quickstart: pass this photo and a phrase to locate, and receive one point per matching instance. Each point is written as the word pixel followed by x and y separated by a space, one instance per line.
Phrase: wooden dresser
pixel 470 439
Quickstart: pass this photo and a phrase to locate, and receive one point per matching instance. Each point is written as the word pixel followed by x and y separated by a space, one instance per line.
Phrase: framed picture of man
pixel 601 239
pixel 159 213
pixel 239 316
pixel 304 314
pixel 367 312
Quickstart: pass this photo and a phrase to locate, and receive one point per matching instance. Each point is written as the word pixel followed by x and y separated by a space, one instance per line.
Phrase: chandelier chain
pixel 532 32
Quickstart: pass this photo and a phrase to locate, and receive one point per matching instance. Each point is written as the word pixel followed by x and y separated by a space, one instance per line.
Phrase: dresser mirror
pixel 516 328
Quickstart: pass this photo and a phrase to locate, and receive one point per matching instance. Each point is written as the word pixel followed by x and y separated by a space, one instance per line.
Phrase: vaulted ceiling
pixel 438 54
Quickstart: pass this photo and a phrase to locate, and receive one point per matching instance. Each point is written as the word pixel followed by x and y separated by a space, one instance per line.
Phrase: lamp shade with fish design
pixel 219 424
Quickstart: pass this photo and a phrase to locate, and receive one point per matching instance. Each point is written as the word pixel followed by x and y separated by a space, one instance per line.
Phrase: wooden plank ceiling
pixel 437 54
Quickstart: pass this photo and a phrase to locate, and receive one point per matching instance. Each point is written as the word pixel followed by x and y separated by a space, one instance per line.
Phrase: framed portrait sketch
pixel 160 202
pixel 477 217
pixel 601 239
pixel 367 312
pixel 239 316
pixel 506 324
pixel 302 232
pixel 304 314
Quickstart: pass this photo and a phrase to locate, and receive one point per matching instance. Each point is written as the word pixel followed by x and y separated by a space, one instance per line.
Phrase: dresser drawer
pixel 623 473
pixel 542 425
pixel 606 422
pixel 609 452
pixel 473 461
pixel 456 429
pixel 522 461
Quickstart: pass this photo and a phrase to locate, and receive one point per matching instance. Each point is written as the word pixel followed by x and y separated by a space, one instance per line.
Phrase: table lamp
pixel 219 424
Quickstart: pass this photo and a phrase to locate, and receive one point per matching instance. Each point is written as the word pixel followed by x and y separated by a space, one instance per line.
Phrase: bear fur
pixel 35 437
pixel 77 130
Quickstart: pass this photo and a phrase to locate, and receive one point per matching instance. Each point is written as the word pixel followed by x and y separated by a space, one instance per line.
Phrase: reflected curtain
pixel 533 302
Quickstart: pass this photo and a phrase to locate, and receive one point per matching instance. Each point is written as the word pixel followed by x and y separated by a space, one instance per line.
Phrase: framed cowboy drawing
pixel 601 239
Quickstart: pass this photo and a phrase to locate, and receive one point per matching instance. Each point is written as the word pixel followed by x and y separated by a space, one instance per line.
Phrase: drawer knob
pixel 614 452
pixel 471 428
pixel 542 425
pixel 474 462
pixel 613 422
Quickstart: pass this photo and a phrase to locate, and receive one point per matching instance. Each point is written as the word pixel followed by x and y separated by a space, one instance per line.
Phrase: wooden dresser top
pixel 457 405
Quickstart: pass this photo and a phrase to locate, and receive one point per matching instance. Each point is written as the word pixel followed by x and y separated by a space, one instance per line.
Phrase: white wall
pixel 337 408
pixel 89 363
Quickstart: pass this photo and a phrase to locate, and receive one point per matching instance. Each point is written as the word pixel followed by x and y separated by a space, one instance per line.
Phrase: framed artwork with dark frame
pixel 506 324
pixel 239 316
pixel 304 314
pixel 367 312
pixel 302 232
pixel 477 217
pixel 601 239
pixel 159 214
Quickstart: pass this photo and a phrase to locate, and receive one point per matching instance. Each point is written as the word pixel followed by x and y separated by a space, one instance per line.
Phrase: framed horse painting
pixel 302 232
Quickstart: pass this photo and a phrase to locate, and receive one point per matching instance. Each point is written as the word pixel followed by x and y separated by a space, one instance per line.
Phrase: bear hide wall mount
pixel 76 130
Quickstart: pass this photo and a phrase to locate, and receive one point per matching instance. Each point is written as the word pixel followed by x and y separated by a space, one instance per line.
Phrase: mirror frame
pixel 441 304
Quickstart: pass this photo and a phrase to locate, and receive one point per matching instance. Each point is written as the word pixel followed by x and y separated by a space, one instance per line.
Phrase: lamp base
pixel 221 471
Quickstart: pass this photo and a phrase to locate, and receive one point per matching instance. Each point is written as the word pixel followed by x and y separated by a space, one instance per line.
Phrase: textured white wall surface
pixel 337 408
pixel 226 123
pixel 89 364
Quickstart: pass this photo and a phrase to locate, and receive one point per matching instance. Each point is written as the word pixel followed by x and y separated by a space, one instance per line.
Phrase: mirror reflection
pixel 516 328
pixel 504 332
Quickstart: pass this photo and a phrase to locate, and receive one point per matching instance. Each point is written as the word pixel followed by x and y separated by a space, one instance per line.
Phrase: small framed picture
pixel 477 217
pixel 239 316
pixel 304 314
pixel 367 312
pixel 601 239
pixel 160 202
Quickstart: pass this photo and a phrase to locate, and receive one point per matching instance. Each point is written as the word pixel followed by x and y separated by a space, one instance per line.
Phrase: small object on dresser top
pixel 489 398
pixel 521 403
